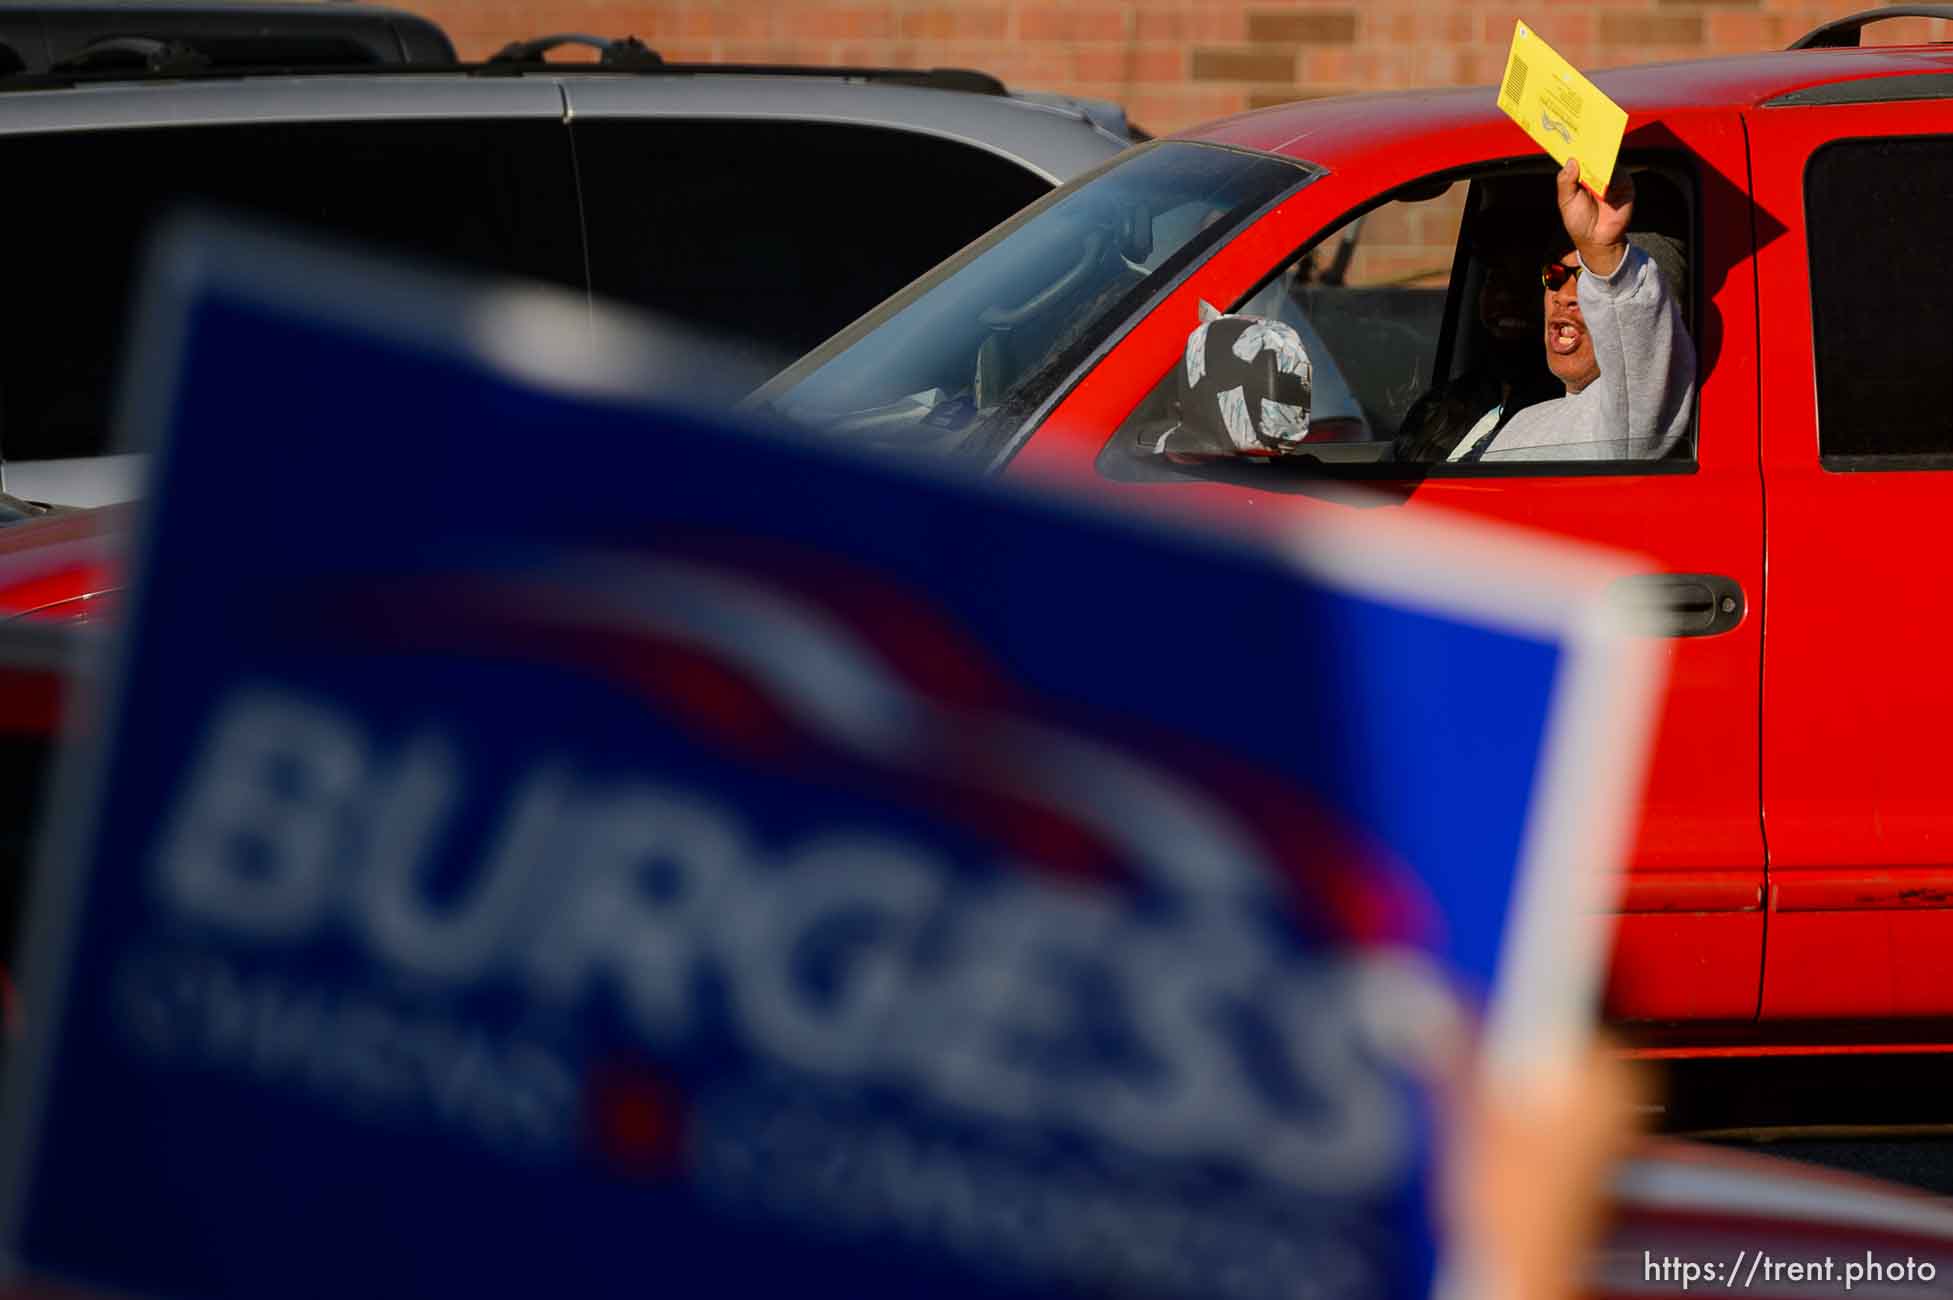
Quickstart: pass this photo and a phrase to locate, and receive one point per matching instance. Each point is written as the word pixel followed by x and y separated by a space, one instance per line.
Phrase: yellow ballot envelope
pixel 1564 112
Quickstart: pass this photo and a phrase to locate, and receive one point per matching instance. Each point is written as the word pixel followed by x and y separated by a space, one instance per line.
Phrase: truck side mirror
pixel 1243 390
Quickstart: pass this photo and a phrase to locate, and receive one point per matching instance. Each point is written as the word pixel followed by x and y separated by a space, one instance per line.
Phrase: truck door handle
pixel 1678 604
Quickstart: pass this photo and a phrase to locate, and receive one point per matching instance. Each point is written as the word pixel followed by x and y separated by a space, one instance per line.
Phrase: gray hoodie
pixel 1644 399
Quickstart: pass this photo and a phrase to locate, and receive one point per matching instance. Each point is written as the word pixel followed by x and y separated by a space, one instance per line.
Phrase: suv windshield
pixel 959 359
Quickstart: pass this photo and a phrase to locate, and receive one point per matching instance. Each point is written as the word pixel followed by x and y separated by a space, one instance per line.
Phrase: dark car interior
pixel 1407 345
pixel 1510 226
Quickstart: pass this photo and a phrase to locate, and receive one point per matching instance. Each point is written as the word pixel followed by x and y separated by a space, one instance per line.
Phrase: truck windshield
pixel 956 362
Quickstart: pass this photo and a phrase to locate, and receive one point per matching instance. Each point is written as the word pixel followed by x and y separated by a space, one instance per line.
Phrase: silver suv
pixel 772 206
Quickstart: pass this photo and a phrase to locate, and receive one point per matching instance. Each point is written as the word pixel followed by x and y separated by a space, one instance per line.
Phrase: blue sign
pixel 546 841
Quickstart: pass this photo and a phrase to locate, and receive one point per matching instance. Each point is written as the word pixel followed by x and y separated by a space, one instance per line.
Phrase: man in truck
pixel 1614 337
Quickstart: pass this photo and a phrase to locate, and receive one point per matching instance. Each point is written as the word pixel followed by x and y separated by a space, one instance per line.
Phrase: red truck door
pixel 1855 300
pixel 1690 939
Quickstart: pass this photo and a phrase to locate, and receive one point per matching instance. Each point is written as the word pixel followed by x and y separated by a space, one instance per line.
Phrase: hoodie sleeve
pixel 1644 399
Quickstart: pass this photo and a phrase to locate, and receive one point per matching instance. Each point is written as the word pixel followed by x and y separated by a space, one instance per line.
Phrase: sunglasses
pixel 1555 274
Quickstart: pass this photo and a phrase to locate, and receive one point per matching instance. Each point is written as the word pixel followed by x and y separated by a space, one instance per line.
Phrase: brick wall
pixel 1171 62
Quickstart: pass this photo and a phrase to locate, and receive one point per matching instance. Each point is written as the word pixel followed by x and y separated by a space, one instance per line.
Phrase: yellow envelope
pixel 1562 111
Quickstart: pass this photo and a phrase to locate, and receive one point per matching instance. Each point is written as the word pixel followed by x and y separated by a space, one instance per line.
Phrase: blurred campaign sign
pixel 615 851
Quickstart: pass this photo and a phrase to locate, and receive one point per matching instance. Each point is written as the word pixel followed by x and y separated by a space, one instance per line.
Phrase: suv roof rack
pixel 630 53
pixel 626 52
pixel 165 38
pixel 45 45
pixel 1842 33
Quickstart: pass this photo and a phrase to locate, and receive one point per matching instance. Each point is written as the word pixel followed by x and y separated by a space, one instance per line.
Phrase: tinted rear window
pixel 780 233
pixel 498 195
pixel 1882 301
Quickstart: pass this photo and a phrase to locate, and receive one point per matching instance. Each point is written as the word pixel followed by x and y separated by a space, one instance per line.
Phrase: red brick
pixel 1650 29
pixel 1303 27
pixel 1123 64
pixel 1159 63
pixel 692 52
pixel 1039 67
pixel 1243 65
pixel 742 23
pixel 1562 31
pixel 615 20
pixel 882 54
pixel 1044 22
pixel 1740 31
pixel 1179 20
pixel 821 23
pixel 1431 65
pixel 1383 67
pixel 1328 68
pixel 957 22
pixel 759 52
pixel 994 57
pixel 1101 63
pixel 937 24
pixel 1168 110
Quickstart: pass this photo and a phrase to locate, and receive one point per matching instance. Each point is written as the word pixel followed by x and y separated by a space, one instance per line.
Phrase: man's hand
pixel 1598 227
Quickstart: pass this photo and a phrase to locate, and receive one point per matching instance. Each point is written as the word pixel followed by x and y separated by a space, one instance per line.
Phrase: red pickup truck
pixel 1792 875
pixel 1793 869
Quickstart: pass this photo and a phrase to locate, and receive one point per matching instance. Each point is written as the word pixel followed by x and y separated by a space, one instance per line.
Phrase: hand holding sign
pixel 1565 114
pixel 1526 1190
pixel 1597 226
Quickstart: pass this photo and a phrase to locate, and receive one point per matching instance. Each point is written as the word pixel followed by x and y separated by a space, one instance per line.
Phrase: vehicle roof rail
pixel 141 52
pixel 623 52
pixel 630 53
pixel 967 80
pixel 1842 33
